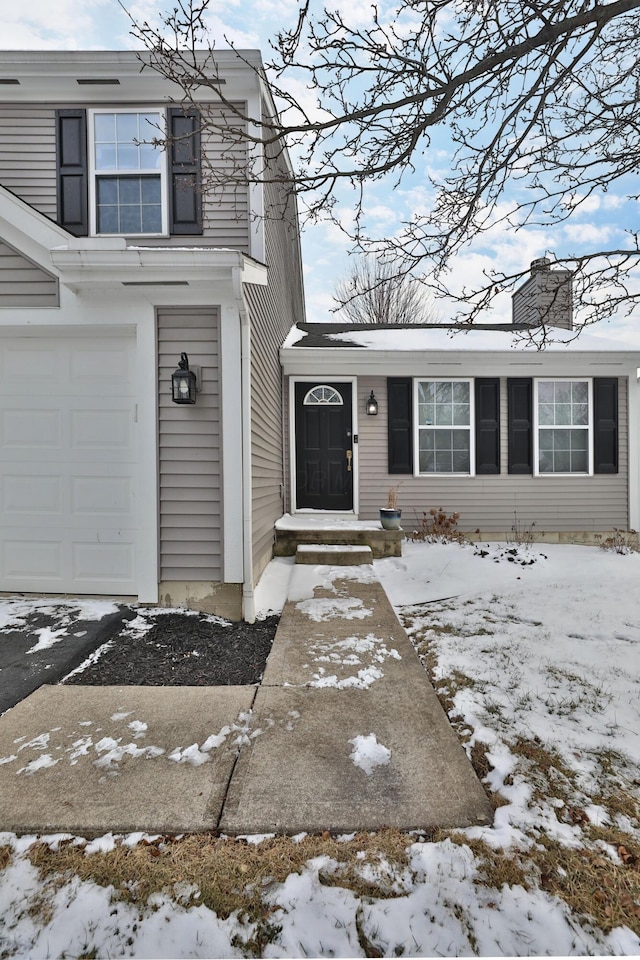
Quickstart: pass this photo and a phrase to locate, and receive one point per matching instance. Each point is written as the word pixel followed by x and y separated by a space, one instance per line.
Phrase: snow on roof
pixel 479 338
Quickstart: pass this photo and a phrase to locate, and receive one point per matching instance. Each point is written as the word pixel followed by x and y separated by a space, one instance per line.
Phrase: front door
pixel 324 446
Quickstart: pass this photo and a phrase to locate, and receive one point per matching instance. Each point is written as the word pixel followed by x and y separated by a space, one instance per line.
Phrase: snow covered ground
pixel 536 655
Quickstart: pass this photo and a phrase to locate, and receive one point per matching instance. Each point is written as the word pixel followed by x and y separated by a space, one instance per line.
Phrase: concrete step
pixel 334 554
pixel 383 543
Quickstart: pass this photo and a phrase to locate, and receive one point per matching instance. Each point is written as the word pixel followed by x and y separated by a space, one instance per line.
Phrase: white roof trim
pixel 49 76
pixel 27 230
pixel 87 262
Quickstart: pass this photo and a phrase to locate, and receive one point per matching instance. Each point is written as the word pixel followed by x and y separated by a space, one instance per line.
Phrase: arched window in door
pixel 323 395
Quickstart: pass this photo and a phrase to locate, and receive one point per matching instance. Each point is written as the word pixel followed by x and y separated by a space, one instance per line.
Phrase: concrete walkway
pixel 345 733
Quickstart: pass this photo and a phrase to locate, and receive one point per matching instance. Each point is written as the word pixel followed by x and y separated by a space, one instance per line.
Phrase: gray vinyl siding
pixel 490 503
pixel 190 449
pixel 28 155
pixel 23 283
pixel 28 169
pixel 273 309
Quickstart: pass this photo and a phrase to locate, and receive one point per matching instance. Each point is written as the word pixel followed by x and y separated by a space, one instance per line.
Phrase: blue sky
pixel 102 24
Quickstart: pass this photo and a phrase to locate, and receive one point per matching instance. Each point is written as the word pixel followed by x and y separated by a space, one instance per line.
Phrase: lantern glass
pixel 372 406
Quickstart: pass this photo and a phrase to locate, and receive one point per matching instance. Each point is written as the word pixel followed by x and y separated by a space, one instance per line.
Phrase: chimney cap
pixel 540 265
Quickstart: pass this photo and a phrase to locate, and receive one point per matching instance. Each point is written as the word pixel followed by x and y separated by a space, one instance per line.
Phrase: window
pixel 563 426
pixel 445 416
pixel 323 395
pixel 128 173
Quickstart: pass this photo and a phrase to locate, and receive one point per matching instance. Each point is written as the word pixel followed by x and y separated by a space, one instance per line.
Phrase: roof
pixel 416 338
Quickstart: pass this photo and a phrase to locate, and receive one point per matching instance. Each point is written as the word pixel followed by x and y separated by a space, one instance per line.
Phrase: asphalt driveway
pixel 42 640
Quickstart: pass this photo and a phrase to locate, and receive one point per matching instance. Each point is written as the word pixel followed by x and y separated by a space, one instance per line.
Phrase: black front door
pixel 324 448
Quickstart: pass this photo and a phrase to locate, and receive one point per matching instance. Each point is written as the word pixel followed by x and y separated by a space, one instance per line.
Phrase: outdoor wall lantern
pixel 183 382
pixel 372 406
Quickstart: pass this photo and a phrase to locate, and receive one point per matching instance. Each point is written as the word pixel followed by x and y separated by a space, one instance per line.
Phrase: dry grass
pixel 620 803
pixel 5 856
pixel 603 888
pixel 495 868
pixel 227 875
pixel 593 884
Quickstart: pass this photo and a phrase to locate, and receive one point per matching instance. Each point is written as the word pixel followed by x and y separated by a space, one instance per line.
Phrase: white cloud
pixel 589 233
pixel 41 24
pixel 613 201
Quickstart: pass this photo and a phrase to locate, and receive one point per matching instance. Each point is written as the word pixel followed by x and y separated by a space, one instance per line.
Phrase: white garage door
pixel 67 464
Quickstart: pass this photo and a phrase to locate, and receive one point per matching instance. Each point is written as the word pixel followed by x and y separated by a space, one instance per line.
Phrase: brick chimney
pixel 546 297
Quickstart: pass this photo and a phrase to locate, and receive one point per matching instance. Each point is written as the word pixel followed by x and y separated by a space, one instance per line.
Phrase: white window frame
pixel 470 427
pixel 94 174
pixel 537 427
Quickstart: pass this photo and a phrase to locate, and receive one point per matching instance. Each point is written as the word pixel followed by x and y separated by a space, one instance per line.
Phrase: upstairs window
pixel 563 426
pixel 445 418
pixel 128 173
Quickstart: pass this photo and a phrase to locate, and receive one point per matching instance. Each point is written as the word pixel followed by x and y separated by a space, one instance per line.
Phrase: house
pixel 115 260
pixel 480 421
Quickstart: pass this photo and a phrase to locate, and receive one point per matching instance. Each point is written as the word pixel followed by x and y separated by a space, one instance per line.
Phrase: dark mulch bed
pixel 183 650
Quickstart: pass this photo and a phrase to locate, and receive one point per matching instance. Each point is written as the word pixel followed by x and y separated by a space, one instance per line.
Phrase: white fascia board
pixel 51 77
pixel 357 361
pixel 253 272
pixel 30 232
pixel 89 263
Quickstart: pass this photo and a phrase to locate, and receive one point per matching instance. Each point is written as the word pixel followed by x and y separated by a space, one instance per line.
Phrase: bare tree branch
pixel 538 102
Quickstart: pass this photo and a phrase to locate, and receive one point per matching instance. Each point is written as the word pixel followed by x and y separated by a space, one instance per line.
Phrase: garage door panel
pixel 43 362
pixel 28 494
pixel 101 429
pixel 41 495
pixel 93 563
pixel 106 364
pixel 34 562
pixel 75 426
pixel 95 496
pixel 28 428
pixel 68 464
pixel 40 564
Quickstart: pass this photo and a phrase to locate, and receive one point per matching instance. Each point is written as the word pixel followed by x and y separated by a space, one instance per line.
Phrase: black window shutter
pixel 520 405
pixel 605 424
pixel 487 390
pixel 185 192
pixel 400 424
pixel 72 184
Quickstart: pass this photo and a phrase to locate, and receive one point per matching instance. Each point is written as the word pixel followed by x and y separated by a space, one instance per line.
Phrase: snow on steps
pixel 294 531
